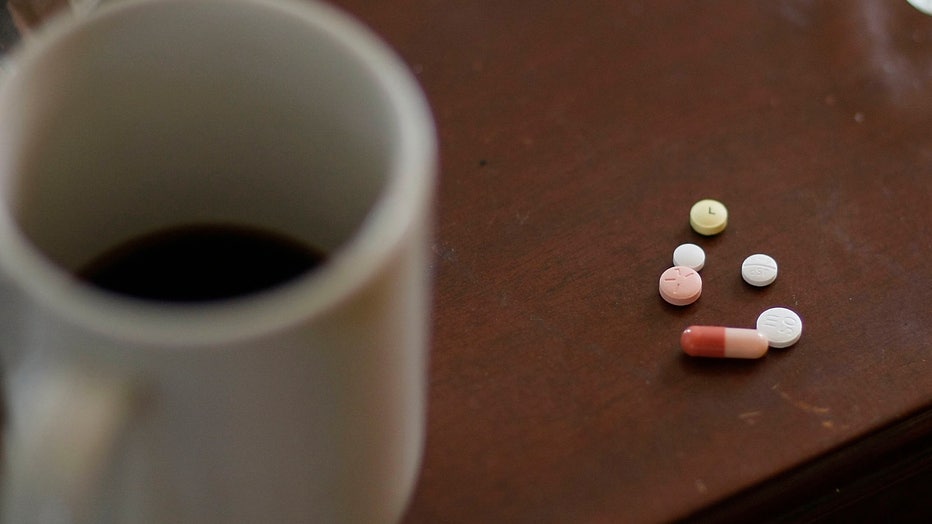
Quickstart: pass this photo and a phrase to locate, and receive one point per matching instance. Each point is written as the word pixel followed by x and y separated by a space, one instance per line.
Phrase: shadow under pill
pixel 677 311
pixel 719 366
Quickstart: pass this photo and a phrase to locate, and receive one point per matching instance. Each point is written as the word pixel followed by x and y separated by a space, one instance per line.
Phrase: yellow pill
pixel 708 217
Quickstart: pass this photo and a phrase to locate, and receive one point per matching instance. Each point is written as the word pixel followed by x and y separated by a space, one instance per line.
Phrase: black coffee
pixel 199 263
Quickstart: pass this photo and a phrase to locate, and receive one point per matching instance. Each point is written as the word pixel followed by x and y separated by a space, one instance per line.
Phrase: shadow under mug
pixel 304 402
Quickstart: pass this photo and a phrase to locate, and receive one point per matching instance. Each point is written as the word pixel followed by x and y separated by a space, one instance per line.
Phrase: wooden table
pixel 575 138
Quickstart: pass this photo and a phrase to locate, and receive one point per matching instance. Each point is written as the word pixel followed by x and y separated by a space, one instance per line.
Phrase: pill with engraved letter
pixel 759 270
pixel 723 342
pixel 708 217
pixel 781 326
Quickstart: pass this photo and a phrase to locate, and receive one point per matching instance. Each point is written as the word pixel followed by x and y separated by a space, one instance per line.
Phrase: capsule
pixel 723 342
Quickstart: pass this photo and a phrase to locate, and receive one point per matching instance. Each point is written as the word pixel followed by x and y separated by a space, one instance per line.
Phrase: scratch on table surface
pixel 751 417
pixel 445 252
pixel 700 486
pixel 801 404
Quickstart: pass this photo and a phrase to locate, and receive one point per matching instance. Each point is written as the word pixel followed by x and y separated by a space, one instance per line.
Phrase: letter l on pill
pixel 723 342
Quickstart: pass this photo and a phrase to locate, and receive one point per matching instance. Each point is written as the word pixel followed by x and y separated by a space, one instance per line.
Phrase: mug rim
pixel 400 205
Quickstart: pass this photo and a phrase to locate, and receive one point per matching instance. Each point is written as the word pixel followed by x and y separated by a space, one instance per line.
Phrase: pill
pixel 708 217
pixel 781 327
pixel 723 342
pixel 680 285
pixel 759 270
pixel 923 5
pixel 689 255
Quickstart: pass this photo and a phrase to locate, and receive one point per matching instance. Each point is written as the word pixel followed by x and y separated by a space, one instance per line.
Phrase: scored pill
pixel 680 285
pixel 759 270
pixel 723 342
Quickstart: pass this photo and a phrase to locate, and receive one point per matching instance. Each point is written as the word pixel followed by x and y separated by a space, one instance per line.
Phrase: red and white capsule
pixel 723 342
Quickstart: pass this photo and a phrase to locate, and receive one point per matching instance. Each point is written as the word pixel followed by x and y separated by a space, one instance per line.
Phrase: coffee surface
pixel 204 262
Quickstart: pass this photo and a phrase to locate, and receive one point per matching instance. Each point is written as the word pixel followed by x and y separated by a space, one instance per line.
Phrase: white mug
pixel 303 402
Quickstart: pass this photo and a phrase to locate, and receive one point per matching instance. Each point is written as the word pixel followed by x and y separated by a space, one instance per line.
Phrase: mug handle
pixel 65 423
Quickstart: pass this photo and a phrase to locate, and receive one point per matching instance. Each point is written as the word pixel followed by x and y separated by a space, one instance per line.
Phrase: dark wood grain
pixel 575 137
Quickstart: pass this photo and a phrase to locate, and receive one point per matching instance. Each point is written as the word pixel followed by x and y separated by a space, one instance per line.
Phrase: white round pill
pixel 689 255
pixel 780 326
pixel 923 5
pixel 759 270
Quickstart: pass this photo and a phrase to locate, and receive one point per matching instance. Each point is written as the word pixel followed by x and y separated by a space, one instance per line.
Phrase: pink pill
pixel 680 285
pixel 723 342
